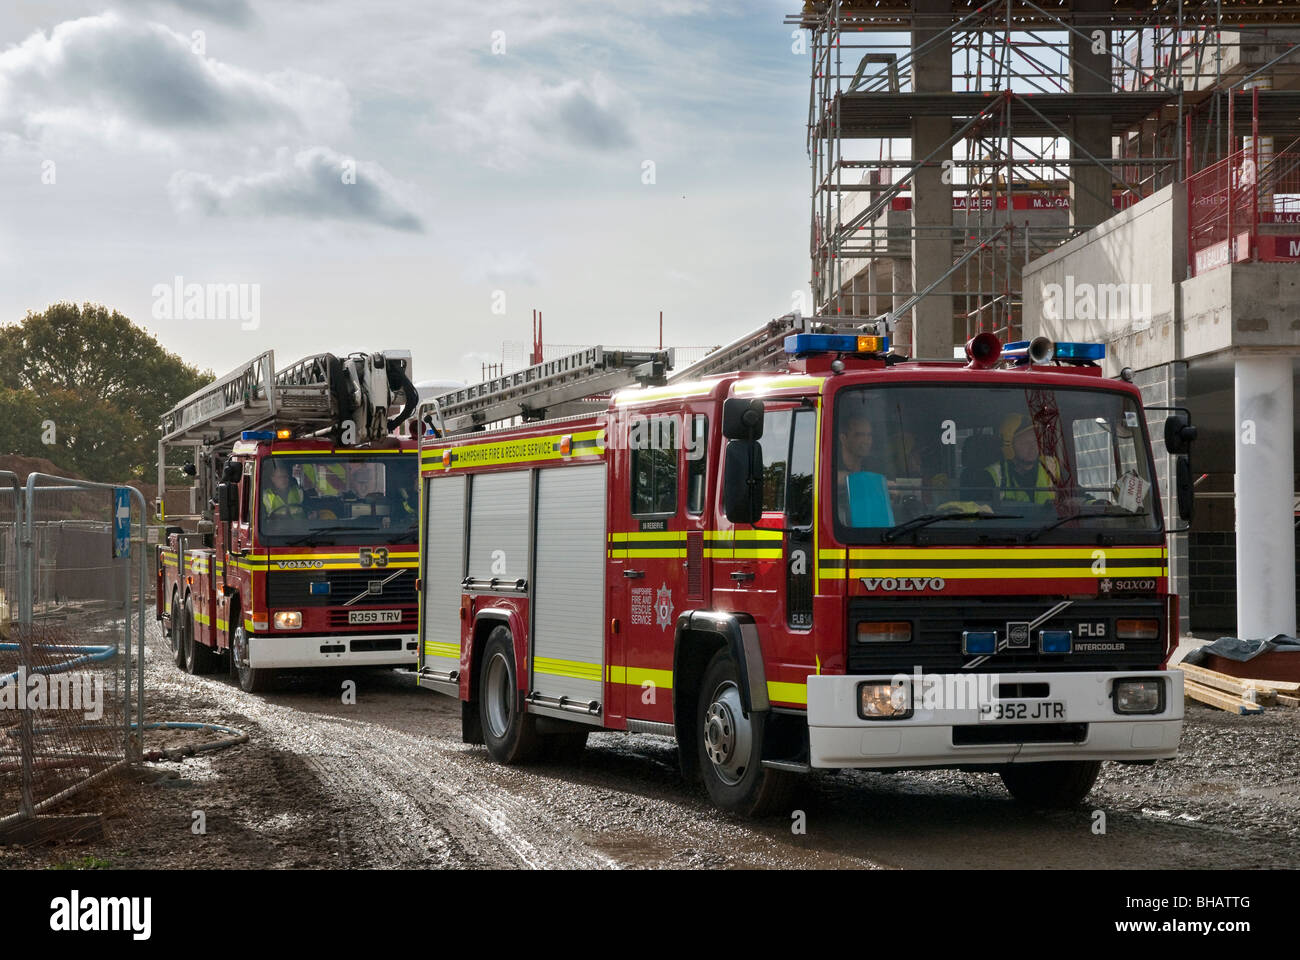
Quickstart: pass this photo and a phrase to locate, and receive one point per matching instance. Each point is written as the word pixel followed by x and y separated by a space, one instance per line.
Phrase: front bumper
pixel 840 738
pixel 276 651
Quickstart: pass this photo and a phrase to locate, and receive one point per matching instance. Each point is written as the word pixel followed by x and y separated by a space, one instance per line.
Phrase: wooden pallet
pixel 1217 698
pixel 1264 691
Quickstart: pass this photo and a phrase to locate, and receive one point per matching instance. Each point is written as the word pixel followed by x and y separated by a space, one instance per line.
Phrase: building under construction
pixel 951 140
pixel 1089 169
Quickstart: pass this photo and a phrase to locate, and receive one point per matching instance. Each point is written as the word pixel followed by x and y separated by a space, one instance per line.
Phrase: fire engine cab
pixel 301 543
pixel 854 560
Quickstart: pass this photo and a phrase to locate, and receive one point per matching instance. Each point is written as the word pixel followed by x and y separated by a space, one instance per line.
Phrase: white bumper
pixel 840 738
pixel 284 651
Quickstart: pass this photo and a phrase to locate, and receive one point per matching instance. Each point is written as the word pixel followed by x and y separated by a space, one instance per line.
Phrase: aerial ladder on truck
pixel 581 382
pixel 300 535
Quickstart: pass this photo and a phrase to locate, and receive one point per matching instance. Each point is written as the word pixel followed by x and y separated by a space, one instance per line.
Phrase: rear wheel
pixel 199 658
pixel 1053 785
pixel 176 632
pixel 250 680
pixel 509 732
pixel 730 747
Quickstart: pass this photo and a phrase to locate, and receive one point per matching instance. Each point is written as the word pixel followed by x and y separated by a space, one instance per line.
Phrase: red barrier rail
pixel 1245 207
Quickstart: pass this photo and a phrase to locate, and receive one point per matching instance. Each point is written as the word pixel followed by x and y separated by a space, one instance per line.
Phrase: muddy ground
pixel 386 783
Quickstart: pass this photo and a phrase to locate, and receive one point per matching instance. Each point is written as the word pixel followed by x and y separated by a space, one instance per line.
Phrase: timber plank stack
pixel 1236 694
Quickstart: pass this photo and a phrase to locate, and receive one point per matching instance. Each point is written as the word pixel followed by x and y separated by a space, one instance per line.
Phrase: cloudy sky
pixel 397 173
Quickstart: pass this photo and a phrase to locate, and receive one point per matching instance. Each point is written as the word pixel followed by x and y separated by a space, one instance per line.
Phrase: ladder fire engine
pixel 305 507
pixel 844 559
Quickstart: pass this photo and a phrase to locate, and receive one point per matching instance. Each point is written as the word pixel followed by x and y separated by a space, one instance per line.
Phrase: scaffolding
pixel 1052 116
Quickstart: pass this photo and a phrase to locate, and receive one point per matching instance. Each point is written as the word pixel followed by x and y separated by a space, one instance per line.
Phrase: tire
pixel 566 748
pixel 730 747
pixel 509 732
pixel 250 680
pixel 1055 785
pixel 199 659
pixel 176 632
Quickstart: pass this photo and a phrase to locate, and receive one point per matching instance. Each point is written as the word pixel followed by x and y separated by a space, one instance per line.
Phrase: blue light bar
pixel 803 343
pixel 1019 352
pixel 1081 351
pixel 979 641
pixel 320 588
pixel 257 435
pixel 1054 641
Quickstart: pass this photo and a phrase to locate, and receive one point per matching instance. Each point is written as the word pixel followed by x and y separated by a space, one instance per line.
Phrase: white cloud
pixel 121 78
pixel 525 119
pixel 314 184
pixel 235 13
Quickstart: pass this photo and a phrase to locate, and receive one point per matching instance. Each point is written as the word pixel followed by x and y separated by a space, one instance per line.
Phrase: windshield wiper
pixel 1078 515
pixel 310 538
pixel 916 523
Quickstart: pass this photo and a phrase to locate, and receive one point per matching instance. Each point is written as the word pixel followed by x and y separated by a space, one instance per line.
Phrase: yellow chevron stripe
pixel 280 452
pixel 767 384
pixel 647 394
pixel 633 536
pixel 787 692
pixel 575 669
pixel 639 676
pixel 663 553
pixel 1009 553
pixel 1007 573
pixel 436 648
pixel 523 450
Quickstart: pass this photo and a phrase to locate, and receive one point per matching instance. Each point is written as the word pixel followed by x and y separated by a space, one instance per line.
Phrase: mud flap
pixel 471 724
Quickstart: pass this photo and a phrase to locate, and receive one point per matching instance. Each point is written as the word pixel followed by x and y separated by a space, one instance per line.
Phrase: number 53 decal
pixel 374 556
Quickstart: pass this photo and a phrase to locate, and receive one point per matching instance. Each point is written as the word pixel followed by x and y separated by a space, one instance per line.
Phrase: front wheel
pixel 509 732
pixel 731 747
pixel 1053 785
pixel 250 680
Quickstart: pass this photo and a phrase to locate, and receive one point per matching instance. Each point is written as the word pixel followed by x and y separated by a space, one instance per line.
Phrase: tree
pixel 104 382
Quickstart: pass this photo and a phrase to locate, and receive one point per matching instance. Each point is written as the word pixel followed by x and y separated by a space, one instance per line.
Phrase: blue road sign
pixel 121 522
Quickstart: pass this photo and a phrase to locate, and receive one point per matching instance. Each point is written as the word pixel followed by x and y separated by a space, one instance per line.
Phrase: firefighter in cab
pixel 283 498
pixel 1022 475
pixel 328 482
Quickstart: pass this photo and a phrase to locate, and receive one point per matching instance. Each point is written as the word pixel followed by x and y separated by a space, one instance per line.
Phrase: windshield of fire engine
pixel 1041 465
pixel 337 500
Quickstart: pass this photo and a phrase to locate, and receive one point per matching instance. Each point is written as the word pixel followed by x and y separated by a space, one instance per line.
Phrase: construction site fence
pixel 75 579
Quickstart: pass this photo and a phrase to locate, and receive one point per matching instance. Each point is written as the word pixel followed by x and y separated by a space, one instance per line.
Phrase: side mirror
pixel 742 419
pixel 1179 433
pixel 742 481
pixel 1183 487
pixel 232 471
pixel 228 501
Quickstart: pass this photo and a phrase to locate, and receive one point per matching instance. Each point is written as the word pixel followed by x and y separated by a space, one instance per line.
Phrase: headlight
pixel 884 632
pixel 884 700
pixel 288 620
pixel 1139 696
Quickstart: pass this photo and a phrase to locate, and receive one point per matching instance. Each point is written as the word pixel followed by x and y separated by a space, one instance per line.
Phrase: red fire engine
pixel 855 561
pixel 304 519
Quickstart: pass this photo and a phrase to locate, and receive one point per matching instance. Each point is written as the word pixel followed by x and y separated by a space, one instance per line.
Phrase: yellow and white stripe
pixel 585 443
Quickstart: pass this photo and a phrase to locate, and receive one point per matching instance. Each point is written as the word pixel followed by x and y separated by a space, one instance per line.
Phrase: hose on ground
pixel 176 753
pixel 90 653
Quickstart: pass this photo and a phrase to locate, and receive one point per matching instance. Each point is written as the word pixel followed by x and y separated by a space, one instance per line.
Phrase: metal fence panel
pixel 71 640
